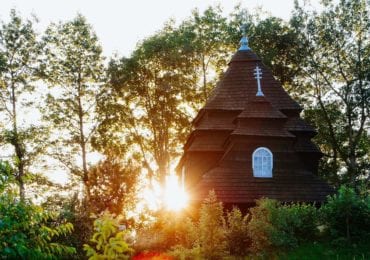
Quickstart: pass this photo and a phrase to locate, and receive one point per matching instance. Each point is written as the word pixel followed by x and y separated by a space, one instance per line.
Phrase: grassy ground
pixel 325 251
pixel 317 251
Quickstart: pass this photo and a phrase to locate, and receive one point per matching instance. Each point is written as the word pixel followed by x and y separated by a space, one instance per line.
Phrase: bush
pixel 206 238
pixel 110 242
pixel 304 220
pixel 212 228
pixel 346 216
pixel 168 230
pixel 29 232
pixel 274 226
pixel 236 233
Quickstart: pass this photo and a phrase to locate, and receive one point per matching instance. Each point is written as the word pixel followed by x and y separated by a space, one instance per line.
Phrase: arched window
pixel 262 163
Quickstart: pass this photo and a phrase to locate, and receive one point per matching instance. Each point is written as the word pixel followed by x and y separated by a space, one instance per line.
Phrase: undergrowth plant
pixel 109 242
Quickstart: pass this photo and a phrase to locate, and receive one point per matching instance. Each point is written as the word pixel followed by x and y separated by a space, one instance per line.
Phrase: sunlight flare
pixel 175 197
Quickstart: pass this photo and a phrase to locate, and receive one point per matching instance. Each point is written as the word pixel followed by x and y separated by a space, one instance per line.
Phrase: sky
pixel 121 24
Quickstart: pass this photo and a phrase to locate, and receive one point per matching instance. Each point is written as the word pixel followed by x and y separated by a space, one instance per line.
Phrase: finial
pixel 258 76
pixel 244 41
pixel 244 29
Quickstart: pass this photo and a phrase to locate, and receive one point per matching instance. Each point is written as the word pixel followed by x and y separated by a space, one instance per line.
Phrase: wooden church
pixel 249 141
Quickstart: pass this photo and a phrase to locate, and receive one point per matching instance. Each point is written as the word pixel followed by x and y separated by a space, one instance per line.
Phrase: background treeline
pixel 106 122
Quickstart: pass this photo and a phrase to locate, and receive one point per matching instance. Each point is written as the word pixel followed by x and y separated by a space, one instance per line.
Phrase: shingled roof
pixel 238 86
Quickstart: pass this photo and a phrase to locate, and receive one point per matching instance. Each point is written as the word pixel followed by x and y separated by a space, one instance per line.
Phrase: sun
pixel 175 197
pixel 171 195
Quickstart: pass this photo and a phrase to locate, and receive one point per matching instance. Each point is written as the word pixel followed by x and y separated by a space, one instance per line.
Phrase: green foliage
pixel 113 186
pixel 189 239
pixel 274 226
pixel 73 210
pixel 270 229
pixel 6 175
pixel 183 253
pixel 317 250
pixel 211 47
pixel 334 79
pixel 72 65
pixel 169 229
pixel 19 55
pixel 109 242
pixel 277 43
pixel 236 232
pixel 346 216
pixel 212 228
pixel 29 232
pixel 147 102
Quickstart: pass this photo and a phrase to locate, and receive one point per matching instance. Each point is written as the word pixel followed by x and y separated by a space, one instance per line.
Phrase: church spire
pixel 244 41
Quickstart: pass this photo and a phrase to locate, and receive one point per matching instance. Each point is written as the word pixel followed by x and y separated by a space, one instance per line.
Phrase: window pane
pixel 262 163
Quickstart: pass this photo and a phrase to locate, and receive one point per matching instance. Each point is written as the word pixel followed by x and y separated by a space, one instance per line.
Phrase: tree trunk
pixel 204 68
pixel 22 192
pixel 82 144
pixel 17 146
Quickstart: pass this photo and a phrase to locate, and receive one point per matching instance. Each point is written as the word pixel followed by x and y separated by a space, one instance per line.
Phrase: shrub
pixel 304 220
pixel 346 215
pixel 274 226
pixel 260 227
pixel 212 228
pixel 206 238
pixel 110 242
pixel 29 232
pixel 168 230
pixel 236 233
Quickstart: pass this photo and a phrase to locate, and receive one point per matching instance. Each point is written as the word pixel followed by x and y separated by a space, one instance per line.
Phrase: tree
pixel 346 215
pixel 211 48
pixel 335 78
pixel 278 45
pixel 146 104
pixel 113 186
pixel 19 53
pixel 73 67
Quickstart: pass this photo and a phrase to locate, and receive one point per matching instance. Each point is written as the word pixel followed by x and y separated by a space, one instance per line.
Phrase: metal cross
pixel 258 76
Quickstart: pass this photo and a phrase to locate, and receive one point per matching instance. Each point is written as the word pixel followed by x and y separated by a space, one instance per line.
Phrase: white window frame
pixel 267 174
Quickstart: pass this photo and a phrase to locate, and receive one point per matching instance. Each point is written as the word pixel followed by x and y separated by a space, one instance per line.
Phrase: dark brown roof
pixel 212 140
pixel 217 120
pixel 259 107
pixel 299 125
pixel 263 131
pixel 238 86
pixel 305 146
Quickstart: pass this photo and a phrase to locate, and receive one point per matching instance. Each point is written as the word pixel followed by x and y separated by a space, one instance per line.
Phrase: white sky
pixel 120 24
